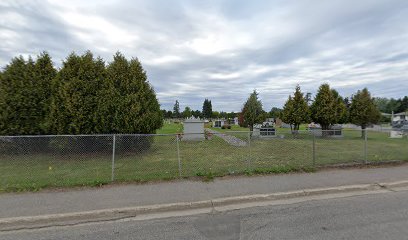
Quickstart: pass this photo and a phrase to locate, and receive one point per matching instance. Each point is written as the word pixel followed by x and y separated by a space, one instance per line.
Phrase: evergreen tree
pixel 176 110
pixel 363 110
pixel 77 89
pixel 128 103
pixel 325 108
pixel 44 74
pixel 20 101
pixel 341 109
pixel 253 110
pixel 207 109
pixel 296 110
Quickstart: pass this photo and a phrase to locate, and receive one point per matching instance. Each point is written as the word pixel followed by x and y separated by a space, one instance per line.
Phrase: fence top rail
pixel 89 135
pixel 215 132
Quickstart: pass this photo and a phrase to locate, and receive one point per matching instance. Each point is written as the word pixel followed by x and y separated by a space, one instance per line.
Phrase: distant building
pixel 397 119
pixel 219 123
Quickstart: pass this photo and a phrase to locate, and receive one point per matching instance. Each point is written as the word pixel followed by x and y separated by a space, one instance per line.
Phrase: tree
pixel 187 112
pixel 363 110
pixel 325 109
pixel 196 113
pixel 341 109
pixel 215 114
pixel 176 110
pixel 295 110
pixel 231 115
pixel 223 114
pixel 25 94
pixel 129 104
pixel 253 110
pixel 207 109
pixel 77 94
pixel 275 112
pixel 403 104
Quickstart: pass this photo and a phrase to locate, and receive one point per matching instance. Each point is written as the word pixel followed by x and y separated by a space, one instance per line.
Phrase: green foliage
pixel 77 90
pixel 25 89
pixel 275 112
pixel 216 114
pixel 363 110
pixel 176 110
pixel 341 109
pixel 128 103
pixel 328 107
pixel 253 110
pixel 296 110
pixel 207 109
pixel 196 114
pixel 187 112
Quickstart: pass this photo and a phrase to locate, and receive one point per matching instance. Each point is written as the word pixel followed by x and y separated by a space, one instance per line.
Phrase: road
pixel 377 216
pixel 131 195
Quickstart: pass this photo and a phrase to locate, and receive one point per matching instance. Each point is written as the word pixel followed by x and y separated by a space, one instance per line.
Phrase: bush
pixel 229 126
pixel 223 127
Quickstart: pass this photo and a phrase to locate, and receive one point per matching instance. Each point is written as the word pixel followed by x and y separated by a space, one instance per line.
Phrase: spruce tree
pixel 176 110
pixel 207 109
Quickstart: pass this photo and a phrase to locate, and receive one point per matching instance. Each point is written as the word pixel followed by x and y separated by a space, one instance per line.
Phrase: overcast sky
pixel 223 50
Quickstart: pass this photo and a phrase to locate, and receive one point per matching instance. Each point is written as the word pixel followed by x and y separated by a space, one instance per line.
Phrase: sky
pixel 224 49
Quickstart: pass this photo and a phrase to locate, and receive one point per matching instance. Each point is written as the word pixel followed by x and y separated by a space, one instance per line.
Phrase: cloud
pixel 222 50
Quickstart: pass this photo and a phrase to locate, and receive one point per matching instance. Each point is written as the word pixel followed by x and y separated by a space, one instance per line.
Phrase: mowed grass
pixel 170 128
pixel 208 158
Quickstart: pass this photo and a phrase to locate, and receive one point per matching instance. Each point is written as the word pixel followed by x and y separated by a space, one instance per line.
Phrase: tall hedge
pixel 76 93
pixel 25 96
pixel 128 103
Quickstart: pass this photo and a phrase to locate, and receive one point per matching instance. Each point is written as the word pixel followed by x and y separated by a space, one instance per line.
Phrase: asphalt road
pixel 378 216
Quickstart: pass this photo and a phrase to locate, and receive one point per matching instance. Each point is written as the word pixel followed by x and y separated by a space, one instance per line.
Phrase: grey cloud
pixel 349 44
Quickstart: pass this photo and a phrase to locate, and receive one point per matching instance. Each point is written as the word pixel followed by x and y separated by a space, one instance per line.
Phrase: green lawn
pixel 31 171
pixel 170 128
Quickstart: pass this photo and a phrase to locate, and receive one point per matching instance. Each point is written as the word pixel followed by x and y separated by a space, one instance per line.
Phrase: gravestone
pixel 193 129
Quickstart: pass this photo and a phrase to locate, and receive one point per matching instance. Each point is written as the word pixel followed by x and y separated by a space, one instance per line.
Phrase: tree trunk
pixel 363 131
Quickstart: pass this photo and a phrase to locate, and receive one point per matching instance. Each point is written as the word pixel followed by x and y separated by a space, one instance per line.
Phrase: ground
pixel 24 169
pixel 377 216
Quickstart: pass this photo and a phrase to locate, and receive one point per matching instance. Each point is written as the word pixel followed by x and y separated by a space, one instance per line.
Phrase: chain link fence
pixel 34 162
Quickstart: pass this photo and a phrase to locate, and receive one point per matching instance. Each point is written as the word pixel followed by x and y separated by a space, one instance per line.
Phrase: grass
pixel 233 128
pixel 170 128
pixel 207 159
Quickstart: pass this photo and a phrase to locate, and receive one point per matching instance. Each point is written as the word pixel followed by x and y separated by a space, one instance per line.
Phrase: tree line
pixel 206 112
pixel 327 108
pixel 85 95
pixel 389 105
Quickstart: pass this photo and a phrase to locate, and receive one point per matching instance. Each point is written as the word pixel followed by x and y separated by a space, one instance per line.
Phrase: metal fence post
pixel 249 146
pixel 178 154
pixel 365 146
pixel 314 149
pixel 113 157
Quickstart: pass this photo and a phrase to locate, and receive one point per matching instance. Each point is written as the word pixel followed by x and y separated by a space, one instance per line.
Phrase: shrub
pixel 223 127
pixel 229 126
